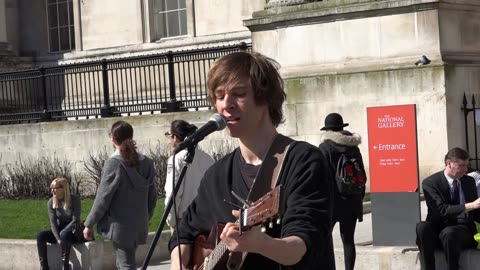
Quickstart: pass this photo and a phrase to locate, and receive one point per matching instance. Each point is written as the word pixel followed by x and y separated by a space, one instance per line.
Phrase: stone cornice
pixel 333 69
pixel 162 46
pixel 335 10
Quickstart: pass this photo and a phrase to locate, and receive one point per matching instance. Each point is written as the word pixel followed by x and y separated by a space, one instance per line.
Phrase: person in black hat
pixel 334 122
pixel 347 208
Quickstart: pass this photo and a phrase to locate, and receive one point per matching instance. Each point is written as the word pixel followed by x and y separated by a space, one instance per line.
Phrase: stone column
pixel 3 22
pixel 282 3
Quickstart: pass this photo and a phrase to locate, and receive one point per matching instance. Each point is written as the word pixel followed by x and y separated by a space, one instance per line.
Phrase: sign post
pixel 392 148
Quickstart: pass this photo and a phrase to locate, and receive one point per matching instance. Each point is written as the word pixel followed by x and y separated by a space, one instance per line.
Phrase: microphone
pixel 216 122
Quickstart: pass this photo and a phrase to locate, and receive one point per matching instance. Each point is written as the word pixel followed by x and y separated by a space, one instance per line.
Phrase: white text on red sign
pixel 383 147
pixel 388 121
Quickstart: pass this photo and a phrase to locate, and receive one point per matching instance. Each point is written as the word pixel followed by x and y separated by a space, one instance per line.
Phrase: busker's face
pixel 237 104
pixel 457 169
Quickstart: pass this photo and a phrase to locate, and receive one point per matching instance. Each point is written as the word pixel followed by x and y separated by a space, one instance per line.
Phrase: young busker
pixel 247 89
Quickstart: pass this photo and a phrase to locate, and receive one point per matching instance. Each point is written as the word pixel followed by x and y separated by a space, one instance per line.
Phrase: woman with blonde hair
pixel 63 211
pixel 125 198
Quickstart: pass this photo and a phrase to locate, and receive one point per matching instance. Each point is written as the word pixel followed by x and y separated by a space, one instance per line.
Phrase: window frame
pixel 155 29
pixel 70 25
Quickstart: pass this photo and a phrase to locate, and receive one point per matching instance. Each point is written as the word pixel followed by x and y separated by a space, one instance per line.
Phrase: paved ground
pixel 363 235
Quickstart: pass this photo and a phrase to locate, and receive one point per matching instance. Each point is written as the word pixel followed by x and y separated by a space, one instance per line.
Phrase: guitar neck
pixel 217 253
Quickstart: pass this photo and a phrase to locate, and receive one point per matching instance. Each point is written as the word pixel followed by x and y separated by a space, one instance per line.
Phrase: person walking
pixel 125 199
pixel 348 208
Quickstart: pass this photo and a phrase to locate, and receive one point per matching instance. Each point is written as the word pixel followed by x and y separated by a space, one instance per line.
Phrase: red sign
pixel 392 148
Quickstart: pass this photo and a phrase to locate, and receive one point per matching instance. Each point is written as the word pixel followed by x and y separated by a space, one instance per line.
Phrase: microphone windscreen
pixel 219 120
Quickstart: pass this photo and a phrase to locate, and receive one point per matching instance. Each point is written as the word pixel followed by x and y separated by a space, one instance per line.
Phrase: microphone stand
pixel 188 161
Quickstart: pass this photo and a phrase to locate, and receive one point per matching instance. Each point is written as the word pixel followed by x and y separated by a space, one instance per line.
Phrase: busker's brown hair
pixel 260 71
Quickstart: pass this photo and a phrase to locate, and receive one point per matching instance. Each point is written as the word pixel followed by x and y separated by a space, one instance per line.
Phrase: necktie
pixel 456 192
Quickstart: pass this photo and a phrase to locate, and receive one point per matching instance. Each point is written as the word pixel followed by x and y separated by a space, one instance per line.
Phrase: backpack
pixel 350 176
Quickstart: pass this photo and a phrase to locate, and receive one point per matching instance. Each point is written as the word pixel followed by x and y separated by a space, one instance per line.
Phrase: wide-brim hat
pixel 334 121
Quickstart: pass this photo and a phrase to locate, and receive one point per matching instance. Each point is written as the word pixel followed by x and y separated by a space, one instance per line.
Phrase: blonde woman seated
pixel 63 211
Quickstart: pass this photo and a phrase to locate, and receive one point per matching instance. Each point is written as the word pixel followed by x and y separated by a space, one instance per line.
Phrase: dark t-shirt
pixel 248 171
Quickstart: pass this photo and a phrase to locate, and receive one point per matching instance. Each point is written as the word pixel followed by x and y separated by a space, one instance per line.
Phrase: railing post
pixel 172 105
pixel 106 110
pixel 465 114
pixel 45 115
pixel 475 130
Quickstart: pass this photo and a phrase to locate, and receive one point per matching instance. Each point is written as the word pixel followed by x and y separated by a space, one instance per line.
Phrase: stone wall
pixel 359 54
pixel 74 140
pixel 104 33
pixel 341 56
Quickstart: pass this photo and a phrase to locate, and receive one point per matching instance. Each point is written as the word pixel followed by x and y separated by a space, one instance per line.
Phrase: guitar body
pixel 204 246
pixel 209 253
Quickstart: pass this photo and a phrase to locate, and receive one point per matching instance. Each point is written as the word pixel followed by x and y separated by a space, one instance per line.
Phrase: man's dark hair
pixel 456 154
pixel 260 71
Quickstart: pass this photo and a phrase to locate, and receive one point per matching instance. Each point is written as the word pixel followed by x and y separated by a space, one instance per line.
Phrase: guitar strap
pixel 270 169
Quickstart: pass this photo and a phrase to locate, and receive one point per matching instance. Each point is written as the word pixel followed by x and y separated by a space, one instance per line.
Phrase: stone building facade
pixel 336 56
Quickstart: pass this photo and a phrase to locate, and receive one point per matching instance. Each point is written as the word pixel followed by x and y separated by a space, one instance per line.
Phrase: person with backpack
pixel 340 148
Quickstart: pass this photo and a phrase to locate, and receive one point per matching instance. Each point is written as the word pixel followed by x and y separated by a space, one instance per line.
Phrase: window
pixel 61 33
pixel 169 18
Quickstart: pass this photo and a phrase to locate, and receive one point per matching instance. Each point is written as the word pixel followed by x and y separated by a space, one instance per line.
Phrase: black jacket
pixel 332 146
pixel 308 204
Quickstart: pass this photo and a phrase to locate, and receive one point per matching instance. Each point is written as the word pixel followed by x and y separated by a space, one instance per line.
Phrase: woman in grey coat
pixel 125 198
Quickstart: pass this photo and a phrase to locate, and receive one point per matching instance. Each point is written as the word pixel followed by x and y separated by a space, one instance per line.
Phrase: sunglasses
pixel 169 135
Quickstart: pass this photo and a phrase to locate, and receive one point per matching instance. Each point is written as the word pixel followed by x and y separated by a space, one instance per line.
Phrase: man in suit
pixel 453 205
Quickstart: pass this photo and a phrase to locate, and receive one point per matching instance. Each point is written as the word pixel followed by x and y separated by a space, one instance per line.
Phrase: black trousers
pixel 348 222
pixel 47 236
pixel 452 239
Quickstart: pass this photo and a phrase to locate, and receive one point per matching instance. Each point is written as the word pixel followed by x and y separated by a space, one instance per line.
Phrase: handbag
pixel 77 231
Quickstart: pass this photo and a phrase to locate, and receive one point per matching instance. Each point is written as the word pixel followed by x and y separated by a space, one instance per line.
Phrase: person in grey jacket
pixel 63 211
pixel 125 199
pixel 179 130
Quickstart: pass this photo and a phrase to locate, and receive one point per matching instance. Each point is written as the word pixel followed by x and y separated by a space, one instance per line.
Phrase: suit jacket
pixel 441 210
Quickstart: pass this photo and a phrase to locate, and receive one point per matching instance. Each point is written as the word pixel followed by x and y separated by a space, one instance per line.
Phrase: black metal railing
pixel 169 82
pixel 467 109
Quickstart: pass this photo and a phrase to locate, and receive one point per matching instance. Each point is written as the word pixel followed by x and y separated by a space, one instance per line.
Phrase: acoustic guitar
pixel 210 253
